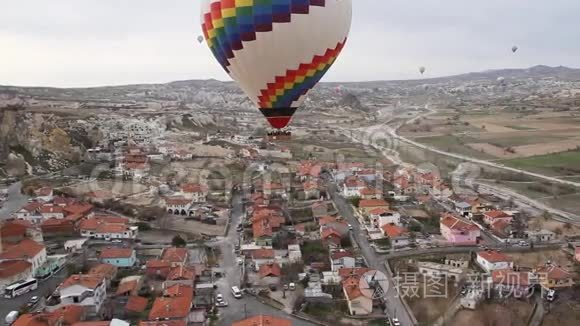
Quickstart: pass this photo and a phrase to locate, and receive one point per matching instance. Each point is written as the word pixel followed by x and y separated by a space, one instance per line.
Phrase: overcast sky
pixel 104 42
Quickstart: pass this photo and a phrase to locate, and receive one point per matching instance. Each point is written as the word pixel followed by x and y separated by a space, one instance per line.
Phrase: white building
pixel 178 205
pixel 195 192
pixel 382 216
pixel 448 272
pixel 352 187
pixel 87 290
pixel 294 253
pixel 341 259
pixel 491 260
pixel 49 211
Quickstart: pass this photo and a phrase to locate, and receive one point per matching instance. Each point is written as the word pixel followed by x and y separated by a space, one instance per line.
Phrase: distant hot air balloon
pixel 501 80
pixel 422 70
pixel 514 49
pixel 200 38
pixel 276 50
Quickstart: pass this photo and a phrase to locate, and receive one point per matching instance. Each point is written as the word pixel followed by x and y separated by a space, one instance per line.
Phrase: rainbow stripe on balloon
pixel 230 23
pixel 288 88
pixel 277 100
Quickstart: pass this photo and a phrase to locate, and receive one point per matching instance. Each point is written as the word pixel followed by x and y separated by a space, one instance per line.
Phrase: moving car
pixel 396 322
pixel 33 301
pixel 236 292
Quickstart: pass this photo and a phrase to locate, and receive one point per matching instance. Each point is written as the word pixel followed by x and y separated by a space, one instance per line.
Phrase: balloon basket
pixel 278 135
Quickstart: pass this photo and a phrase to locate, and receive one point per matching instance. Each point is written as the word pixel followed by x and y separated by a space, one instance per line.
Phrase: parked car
pixel 221 304
pixel 33 301
pixel 219 298
pixel 396 322
pixel 292 286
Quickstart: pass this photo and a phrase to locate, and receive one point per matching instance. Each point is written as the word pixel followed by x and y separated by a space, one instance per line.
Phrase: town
pixel 180 228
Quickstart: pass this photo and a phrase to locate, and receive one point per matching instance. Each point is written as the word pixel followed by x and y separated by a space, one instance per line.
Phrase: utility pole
pixel 245 312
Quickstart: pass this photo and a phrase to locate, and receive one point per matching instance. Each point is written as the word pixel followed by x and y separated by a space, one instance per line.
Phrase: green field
pixel 514 141
pixel 565 163
pixel 453 144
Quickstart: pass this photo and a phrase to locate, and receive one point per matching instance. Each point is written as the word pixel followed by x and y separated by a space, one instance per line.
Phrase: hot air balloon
pixel 276 50
pixel 501 80
pixel 200 39
pixel 514 49
pixel 422 70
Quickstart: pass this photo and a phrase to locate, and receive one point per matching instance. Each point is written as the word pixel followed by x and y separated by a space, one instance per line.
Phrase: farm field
pixel 454 144
pixel 565 163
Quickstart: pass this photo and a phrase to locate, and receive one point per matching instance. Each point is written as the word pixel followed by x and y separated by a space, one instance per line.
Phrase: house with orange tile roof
pixel 178 205
pixel 54 227
pixel 66 315
pixel 370 193
pixel 30 212
pixel 11 232
pixel 156 268
pixel 270 274
pixel 358 301
pixel 87 290
pixel 399 236
pixel 552 276
pixel 367 205
pixel 12 271
pixel 107 228
pixel 493 216
pixel 311 190
pixel 458 231
pixel 175 304
pixel 51 211
pixel 130 286
pixel 107 270
pixel 262 256
pixel 184 275
pixel 491 260
pixel 120 257
pixel 330 236
pixel 26 250
pixel 197 193
pixel 136 304
pixel 273 189
pixel 176 256
pixel 352 186
pixel 260 320
pixel 262 232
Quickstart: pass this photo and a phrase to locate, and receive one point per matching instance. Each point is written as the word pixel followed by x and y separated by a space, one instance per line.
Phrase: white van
pixel 236 292
pixel 11 317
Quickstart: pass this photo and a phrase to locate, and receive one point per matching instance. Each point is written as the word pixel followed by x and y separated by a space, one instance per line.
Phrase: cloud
pixel 83 43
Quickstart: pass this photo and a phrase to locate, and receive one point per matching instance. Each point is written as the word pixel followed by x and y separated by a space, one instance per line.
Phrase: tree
pixel 354 201
pixel 178 241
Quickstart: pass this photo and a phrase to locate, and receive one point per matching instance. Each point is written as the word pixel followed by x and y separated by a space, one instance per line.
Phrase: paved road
pixel 248 305
pixel 14 201
pixel 395 307
pixel 45 288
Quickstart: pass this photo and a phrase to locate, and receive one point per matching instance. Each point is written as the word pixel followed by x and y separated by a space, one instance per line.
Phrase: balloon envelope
pixel 422 70
pixel 200 39
pixel 514 49
pixel 276 50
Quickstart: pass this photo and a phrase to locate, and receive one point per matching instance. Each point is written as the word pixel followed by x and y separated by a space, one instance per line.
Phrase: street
pixel 395 306
pixel 246 306
pixel 45 288
pixel 14 201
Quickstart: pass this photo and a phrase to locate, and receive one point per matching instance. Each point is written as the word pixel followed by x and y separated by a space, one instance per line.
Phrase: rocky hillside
pixel 36 143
